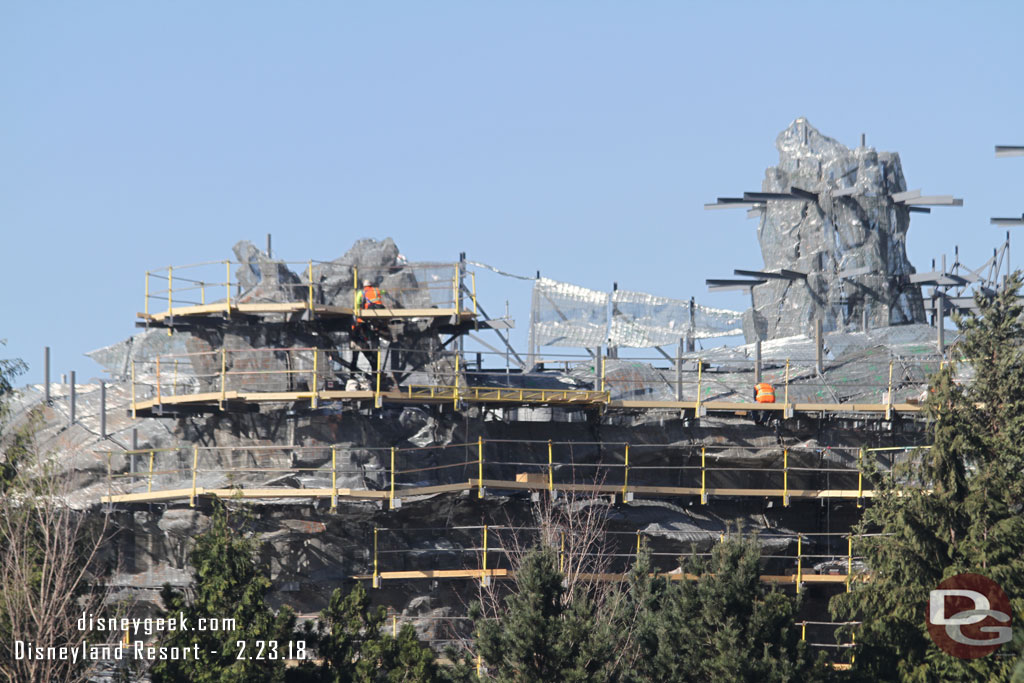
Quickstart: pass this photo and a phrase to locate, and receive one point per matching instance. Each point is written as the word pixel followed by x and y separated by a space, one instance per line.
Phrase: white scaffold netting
pixel 569 315
pixel 642 320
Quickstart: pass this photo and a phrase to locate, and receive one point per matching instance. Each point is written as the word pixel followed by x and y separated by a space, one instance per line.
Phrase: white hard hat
pixel 366 283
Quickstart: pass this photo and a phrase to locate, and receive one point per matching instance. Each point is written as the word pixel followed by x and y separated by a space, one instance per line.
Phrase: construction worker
pixel 369 297
pixel 364 337
pixel 763 393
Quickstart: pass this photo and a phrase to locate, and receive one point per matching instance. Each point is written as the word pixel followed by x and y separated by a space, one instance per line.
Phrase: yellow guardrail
pixel 216 285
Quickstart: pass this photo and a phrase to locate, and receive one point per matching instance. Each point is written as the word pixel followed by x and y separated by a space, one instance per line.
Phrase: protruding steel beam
pixel 1007 221
pixel 1009 151
pixel 719 282
pixel 783 274
pixel 903 196
pixel 772 197
pixel 932 200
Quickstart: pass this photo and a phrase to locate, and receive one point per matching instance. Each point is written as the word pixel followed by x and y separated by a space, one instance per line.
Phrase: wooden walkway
pixel 223 308
pixel 481 486
pixel 426 394
pixel 777 579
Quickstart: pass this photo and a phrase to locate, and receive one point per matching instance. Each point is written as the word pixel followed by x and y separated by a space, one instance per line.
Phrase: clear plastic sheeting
pixel 642 320
pixel 569 315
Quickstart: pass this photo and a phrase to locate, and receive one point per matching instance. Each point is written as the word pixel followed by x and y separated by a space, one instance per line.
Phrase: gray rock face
pixel 854 225
pixel 264 279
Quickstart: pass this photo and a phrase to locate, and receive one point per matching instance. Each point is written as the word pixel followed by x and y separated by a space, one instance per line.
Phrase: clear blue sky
pixel 577 138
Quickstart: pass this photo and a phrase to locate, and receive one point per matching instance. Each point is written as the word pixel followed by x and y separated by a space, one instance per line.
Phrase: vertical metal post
pixel 174 385
pixel 703 476
pixel 195 467
pixel 561 553
pixel 679 369
pixel 480 465
pixel 603 367
pixel 785 477
pixel 625 475
pixel 103 410
pixel 700 376
pixel 819 348
pixel 888 403
pixel 133 389
pixel 849 561
pixel 269 254
pixel 170 297
pixel 457 295
pixel 638 542
pixel 135 438
pixel 46 374
pixel 145 306
pixel 803 630
pixel 691 342
pixel 455 398
pixel 223 375
pixel 310 273
pixel 483 574
pixel 227 286
pixel 159 399
pixel 473 280
pixel 799 562
pixel 149 483
pixel 313 397
pixel 940 323
pixel 551 473
pixel 376 395
pixel 394 625
pixel 392 497
pixel 376 573
pixel 864 319
pixel 786 401
pixel 757 361
pixel 860 478
pixel 334 476
pixel 72 387
pixel 355 289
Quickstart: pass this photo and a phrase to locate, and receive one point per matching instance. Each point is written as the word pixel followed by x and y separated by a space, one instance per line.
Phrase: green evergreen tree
pixel 544 634
pixel 229 583
pixel 354 646
pixel 724 626
pixel 957 508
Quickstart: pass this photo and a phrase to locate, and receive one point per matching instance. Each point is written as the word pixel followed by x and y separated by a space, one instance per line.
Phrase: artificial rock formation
pixel 854 225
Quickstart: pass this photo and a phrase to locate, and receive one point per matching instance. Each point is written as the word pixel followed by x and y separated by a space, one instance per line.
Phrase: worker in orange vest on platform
pixel 370 297
pixel 763 393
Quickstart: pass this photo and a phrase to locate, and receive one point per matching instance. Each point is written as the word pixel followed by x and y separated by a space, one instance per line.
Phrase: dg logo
pixel 969 616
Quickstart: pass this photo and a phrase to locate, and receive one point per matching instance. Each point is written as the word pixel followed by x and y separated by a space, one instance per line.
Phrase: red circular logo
pixel 969 616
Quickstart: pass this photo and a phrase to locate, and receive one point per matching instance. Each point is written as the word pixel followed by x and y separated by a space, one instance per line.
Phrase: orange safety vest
pixel 765 393
pixel 371 297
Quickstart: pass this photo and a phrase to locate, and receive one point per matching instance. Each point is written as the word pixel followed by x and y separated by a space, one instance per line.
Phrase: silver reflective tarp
pixel 643 320
pixel 569 315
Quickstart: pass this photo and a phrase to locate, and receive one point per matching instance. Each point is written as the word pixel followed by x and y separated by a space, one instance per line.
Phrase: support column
pixel 679 368
pixel 46 375
pixel 72 408
pixel 103 409
pixel 757 362
pixel 819 351
pixel 940 323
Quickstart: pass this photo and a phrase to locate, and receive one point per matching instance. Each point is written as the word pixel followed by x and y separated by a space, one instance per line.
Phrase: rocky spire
pixel 850 241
